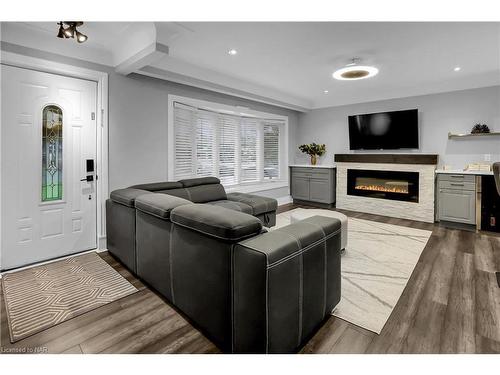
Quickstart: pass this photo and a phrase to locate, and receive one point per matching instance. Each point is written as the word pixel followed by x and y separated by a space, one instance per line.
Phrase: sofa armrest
pixel 218 222
pixel 285 282
pixel 159 205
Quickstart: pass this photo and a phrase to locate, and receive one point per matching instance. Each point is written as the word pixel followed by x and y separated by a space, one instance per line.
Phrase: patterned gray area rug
pixel 44 296
pixel 376 266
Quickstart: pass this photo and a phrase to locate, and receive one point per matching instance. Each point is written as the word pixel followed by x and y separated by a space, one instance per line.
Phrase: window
pixel 52 156
pixel 238 149
pixel 271 150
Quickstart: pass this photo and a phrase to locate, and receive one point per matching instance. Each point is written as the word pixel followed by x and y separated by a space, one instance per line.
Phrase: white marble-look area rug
pixel 376 266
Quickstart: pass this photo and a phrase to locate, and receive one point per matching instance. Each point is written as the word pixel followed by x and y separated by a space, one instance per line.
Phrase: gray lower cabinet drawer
pixel 456 177
pixel 457 185
pixel 457 206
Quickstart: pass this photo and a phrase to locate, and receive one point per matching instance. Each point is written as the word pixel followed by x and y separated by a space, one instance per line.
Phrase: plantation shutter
pixel 229 130
pixel 206 144
pixel 233 148
pixel 249 150
pixel 184 162
pixel 271 150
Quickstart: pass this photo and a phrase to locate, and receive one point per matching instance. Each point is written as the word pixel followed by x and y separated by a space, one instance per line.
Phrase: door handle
pixel 88 178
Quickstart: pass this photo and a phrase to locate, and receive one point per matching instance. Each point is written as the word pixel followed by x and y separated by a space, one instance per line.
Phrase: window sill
pixel 257 187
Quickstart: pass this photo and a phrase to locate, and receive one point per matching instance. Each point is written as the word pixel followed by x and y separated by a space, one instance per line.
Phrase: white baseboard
pixel 284 200
pixel 102 245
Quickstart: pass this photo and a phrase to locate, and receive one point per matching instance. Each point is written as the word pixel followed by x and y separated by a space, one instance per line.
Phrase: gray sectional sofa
pixel 207 252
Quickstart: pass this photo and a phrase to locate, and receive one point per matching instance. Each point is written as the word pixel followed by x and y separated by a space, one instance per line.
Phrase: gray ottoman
pixel 301 214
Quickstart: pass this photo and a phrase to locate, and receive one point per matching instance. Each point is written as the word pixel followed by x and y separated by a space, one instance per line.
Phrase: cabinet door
pixel 457 206
pixel 300 188
pixel 320 190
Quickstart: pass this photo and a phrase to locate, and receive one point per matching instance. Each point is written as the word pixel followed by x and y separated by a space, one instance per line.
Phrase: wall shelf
pixel 492 134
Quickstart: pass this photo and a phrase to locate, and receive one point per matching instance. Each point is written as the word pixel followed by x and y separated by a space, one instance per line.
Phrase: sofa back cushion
pixel 159 186
pixel 180 193
pixel 126 196
pixel 203 189
pixel 217 222
pixel 197 190
pixel 159 205
pixel 199 181
pixel 206 193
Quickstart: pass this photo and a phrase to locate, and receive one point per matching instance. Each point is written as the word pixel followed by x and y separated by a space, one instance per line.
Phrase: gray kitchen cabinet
pixel 456 199
pixel 457 206
pixel 313 184
pixel 320 190
pixel 300 188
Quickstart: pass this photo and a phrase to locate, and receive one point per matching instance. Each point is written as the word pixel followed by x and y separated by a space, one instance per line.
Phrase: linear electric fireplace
pixel 395 185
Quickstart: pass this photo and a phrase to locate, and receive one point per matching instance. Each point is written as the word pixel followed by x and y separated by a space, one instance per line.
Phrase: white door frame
pixel 33 63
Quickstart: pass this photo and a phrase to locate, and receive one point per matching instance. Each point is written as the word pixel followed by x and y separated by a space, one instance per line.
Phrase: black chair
pixel 496 173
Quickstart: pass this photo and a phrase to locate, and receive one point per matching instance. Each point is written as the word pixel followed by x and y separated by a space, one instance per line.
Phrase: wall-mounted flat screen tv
pixel 384 130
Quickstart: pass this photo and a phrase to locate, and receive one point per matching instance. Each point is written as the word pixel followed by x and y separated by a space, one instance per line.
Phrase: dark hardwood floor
pixel 451 304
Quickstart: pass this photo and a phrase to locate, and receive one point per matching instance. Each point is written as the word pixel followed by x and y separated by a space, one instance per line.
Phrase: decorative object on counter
pixel 483 167
pixel 480 129
pixel 313 150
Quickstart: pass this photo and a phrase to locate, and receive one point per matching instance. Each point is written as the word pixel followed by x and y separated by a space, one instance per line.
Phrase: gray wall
pixel 138 120
pixel 439 114
pixel 138 123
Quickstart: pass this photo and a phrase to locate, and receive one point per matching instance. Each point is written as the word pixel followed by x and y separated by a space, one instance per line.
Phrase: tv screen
pixel 384 130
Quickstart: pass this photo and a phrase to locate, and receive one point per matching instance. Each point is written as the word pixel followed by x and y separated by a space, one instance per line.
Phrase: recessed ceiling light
pixel 457 69
pixel 326 91
pixel 232 52
pixel 353 71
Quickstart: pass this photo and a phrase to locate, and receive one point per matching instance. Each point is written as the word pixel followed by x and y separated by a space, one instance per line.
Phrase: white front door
pixel 48 140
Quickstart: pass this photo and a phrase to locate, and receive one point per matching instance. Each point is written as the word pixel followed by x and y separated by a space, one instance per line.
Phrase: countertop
pixel 313 166
pixel 460 171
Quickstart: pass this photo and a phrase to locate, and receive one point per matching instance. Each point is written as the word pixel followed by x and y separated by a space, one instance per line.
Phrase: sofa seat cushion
pixel 159 205
pixel 156 186
pixel 216 221
pixel 232 205
pixel 259 204
pixel 126 196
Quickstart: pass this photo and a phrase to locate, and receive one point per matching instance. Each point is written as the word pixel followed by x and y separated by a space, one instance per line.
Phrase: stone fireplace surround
pixel 424 164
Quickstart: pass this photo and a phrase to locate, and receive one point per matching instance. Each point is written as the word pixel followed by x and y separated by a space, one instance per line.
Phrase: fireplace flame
pixel 392 189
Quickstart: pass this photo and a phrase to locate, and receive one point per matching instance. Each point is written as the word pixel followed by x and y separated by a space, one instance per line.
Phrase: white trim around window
pixel 255 130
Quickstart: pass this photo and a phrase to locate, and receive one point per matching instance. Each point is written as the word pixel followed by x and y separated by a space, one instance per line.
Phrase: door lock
pixel 88 178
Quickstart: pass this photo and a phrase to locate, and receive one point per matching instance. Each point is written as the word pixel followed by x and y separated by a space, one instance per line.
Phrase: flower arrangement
pixel 313 150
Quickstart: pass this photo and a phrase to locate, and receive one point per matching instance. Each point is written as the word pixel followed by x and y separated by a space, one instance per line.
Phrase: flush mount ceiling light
pixel 354 71
pixel 457 69
pixel 232 52
pixel 70 30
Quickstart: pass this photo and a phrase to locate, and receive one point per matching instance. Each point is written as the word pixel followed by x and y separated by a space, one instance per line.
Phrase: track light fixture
pixel 70 31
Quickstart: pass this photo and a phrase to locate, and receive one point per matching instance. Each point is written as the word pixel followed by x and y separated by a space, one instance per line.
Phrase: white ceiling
pixel 299 58
pixel 292 62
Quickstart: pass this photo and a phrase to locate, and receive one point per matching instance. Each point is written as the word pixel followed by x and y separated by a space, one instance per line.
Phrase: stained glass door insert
pixel 52 156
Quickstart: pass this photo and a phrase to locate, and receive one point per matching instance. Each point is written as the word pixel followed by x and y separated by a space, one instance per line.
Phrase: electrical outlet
pixel 487 157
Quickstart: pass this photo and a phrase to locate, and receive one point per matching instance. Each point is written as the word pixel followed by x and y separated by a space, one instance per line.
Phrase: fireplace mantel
pixel 423 159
